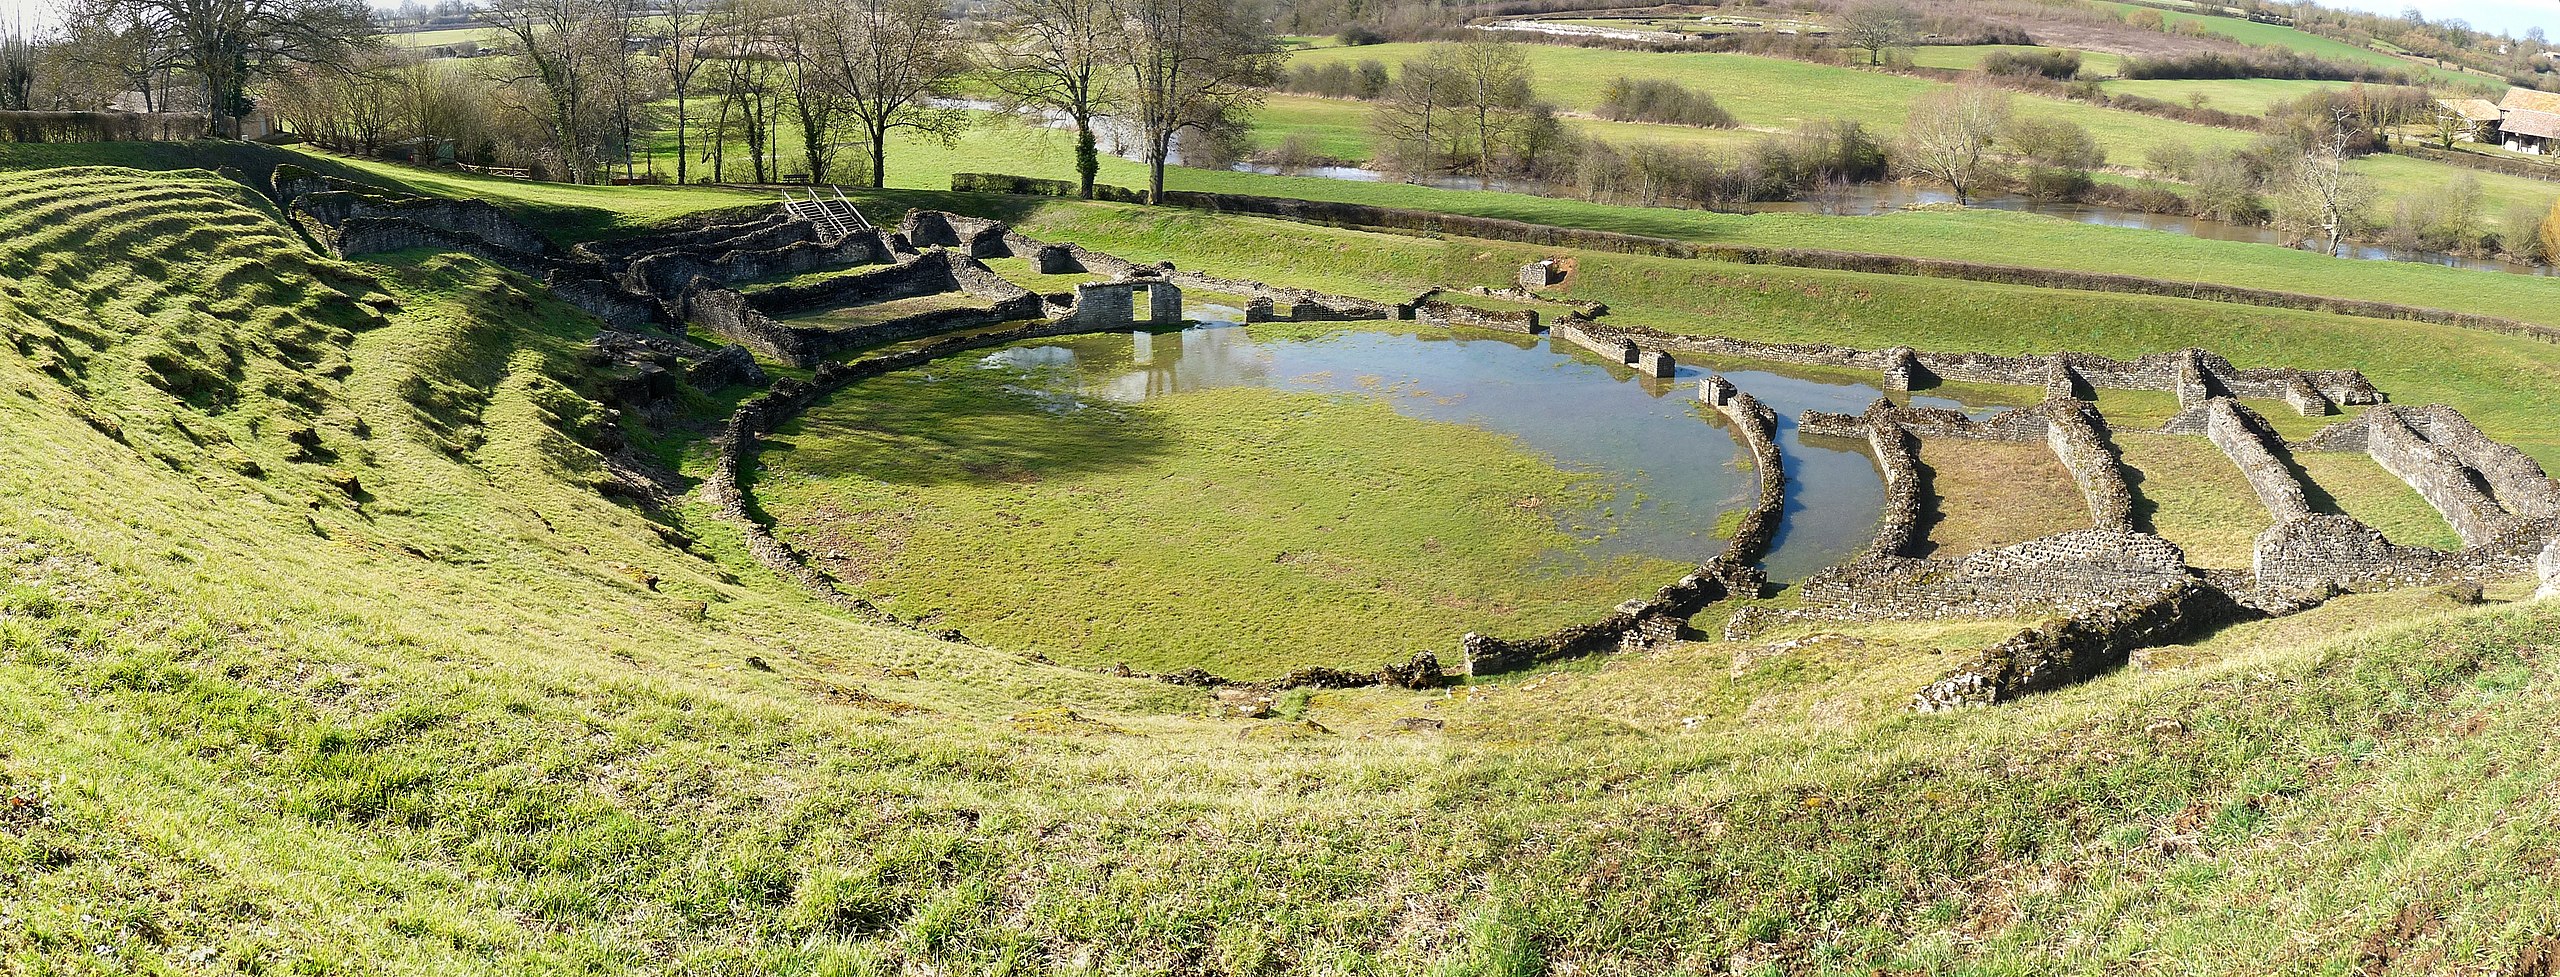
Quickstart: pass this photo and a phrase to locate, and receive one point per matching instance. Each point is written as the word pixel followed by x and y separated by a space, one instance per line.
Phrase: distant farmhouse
pixel 2526 121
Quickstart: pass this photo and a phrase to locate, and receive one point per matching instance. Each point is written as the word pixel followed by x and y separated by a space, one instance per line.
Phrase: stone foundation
pixel 2245 438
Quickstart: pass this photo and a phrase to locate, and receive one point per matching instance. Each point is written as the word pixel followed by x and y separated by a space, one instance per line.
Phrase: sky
pixel 2508 16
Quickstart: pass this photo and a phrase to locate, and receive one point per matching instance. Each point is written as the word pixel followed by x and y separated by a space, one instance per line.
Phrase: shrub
pixel 2057 64
pixel 1652 100
pixel 2265 63
pixel 1359 35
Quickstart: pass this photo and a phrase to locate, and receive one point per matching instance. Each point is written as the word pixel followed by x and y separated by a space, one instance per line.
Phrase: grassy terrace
pixel 321 651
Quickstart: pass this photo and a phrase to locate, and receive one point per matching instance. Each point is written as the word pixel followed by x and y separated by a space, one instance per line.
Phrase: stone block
pixel 1654 364
pixel 1715 390
pixel 2549 564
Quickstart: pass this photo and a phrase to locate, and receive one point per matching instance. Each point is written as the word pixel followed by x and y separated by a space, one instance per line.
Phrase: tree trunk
pixel 679 139
pixel 1088 157
pixel 1155 169
pixel 879 156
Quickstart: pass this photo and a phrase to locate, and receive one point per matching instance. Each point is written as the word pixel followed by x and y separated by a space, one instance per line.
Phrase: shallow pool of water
pixel 1668 462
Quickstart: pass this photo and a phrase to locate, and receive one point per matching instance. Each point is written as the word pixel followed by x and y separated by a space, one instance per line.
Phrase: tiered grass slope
pixel 406 693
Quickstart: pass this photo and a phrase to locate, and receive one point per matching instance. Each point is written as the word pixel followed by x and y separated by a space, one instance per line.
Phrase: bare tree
pixel 816 100
pixel 558 46
pixel 892 60
pixel 1492 81
pixel 1949 136
pixel 17 67
pixel 226 43
pixel 1875 28
pixel 1193 64
pixel 1056 56
pixel 1416 117
pixel 680 39
pixel 2319 197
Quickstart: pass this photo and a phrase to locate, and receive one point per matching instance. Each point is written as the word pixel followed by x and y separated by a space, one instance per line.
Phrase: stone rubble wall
pixel 2077 436
pixel 1446 314
pixel 1634 624
pixel 2548 566
pixel 2059 572
pixel 976 237
pixel 929 273
pixel 474 218
pixel 2322 551
pixel 1757 426
pixel 2439 476
pixel 771 231
pixel 2158 371
pixel 2245 438
pixel 1305 304
pixel 669 275
pixel 2514 478
pixel 2081 646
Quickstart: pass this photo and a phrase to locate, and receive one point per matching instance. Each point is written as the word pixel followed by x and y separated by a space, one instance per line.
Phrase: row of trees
pixel 582 85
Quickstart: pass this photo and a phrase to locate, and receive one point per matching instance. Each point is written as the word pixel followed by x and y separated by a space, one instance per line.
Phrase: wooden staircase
pixel 836 217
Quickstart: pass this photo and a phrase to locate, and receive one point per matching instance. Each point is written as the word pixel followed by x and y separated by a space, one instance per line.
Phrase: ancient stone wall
pixel 2061 571
pixel 2516 481
pixel 2548 565
pixel 2323 551
pixel 2245 438
pixel 1757 427
pixel 2440 477
pixel 2078 438
pixel 669 275
pixel 1445 314
pixel 927 274
pixel 474 218
pixel 2081 646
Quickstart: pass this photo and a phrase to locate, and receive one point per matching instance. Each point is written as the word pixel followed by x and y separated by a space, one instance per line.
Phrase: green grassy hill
pixel 324 649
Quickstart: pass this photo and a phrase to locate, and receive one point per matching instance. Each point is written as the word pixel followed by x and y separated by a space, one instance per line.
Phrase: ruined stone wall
pixel 1901 368
pixel 474 218
pixel 2078 438
pixel 667 276
pixel 2320 551
pixel 2440 477
pixel 2081 646
pixel 765 233
pixel 1633 624
pixel 976 237
pixel 2516 481
pixel 1757 426
pixel 2245 438
pixel 927 274
pixel 2064 570
pixel 1445 314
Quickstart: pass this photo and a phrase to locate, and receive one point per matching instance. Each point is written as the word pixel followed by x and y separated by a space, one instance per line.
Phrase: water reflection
pixel 1667 469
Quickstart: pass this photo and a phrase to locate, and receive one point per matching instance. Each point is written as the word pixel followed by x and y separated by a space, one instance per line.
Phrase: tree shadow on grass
pixel 952 423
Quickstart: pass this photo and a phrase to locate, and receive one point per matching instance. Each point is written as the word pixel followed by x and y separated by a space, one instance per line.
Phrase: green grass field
pixel 323 651
pixel 1966 57
pixel 2276 35
pixel 1179 532
pixel 1771 93
pixel 2247 96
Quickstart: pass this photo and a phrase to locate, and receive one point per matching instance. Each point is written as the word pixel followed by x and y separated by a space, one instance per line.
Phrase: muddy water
pixel 1669 466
